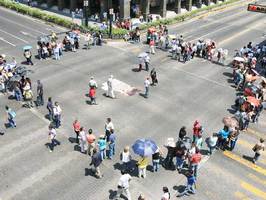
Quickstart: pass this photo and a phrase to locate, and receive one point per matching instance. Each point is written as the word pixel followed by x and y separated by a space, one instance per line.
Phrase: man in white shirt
pixel 57 115
pixel 110 90
pixel 147 85
pixel 82 140
pixel 52 136
pixel 108 127
pixel 123 185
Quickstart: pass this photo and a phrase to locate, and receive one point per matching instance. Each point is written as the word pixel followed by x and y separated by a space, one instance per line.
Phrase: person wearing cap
pixel 110 89
pixel 91 141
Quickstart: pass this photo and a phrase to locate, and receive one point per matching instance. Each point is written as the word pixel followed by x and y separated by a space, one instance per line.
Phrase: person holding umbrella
pixel 144 148
pixel 28 54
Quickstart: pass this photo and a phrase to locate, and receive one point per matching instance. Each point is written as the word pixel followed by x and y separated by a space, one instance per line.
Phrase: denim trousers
pixel 111 150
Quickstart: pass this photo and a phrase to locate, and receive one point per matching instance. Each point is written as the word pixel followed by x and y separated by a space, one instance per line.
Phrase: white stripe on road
pixel 14 36
pixel 27 34
pixel 35 177
pixel 2 39
pixel 18 24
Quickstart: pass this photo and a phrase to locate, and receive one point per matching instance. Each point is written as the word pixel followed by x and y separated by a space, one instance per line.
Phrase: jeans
pixel 50 115
pixel 179 163
pixel 211 148
pixel 156 165
pixel 11 122
pixel 256 157
pixel 57 121
pixel 18 96
pixel 103 153
pixel 189 189
pixel 111 150
pixel 146 92
pixel 194 167
pixel 53 143
pixel 232 144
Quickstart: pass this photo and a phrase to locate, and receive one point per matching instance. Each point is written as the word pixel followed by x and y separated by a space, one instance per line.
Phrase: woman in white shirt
pixel 125 157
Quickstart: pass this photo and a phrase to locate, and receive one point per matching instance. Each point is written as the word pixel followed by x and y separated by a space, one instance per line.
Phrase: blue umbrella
pixel 144 147
pixel 27 47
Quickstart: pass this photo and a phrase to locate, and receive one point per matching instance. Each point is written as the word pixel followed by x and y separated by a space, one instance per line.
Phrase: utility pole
pixel 85 15
pixel 111 13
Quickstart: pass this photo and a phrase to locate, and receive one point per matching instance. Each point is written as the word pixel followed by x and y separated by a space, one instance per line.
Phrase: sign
pixel 257 8
pixel 86 3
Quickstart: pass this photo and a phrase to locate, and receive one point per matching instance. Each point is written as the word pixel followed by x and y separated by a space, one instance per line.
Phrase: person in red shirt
pixel 92 95
pixel 197 130
pixel 194 161
pixel 76 127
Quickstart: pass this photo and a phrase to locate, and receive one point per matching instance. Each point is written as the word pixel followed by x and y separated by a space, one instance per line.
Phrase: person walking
pixel 110 89
pixel 180 158
pixel 233 137
pixel 82 140
pixel 91 142
pixel 57 114
pixel 96 161
pixel 194 162
pixel 76 128
pixel 125 157
pixel 52 138
pixel 111 144
pixel 153 76
pixel 191 185
pixel 92 95
pixel 49 107
pixel 147 86
pixel 147 60
pixel 142 165
pixel 152 46
pixel 39 100
pixel 258 148
pixel 123 185
pixel 102 146
pixel 166 194
pixel 10 115
pixel 108 127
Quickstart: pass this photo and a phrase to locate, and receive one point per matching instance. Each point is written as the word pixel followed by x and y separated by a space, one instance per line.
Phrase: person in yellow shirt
pixel 142 165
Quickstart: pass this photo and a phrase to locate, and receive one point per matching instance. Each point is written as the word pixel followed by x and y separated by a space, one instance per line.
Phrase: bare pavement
pixel 186 92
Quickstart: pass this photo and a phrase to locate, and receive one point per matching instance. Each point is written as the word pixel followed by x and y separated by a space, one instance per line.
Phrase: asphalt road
pixel 186 92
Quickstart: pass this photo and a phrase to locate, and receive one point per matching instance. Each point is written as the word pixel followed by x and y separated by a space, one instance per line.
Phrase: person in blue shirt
pixel 102 146
pixel 191 185
pixel 222 137
pixel 111 144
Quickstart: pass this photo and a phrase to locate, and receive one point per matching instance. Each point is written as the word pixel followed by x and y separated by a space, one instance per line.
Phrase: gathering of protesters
pixel 183 153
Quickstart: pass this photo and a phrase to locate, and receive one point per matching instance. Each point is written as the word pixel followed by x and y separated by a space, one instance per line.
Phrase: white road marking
pixel 27 34
pixel 18 24
pixel 2 39
pixel 18 38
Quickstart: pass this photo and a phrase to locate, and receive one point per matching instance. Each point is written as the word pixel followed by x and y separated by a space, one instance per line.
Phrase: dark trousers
pixel 53 143
pixel 29 61
pixel 57 121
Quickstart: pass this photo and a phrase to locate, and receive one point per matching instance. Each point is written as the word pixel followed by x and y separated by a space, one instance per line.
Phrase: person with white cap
pixel 92 83
pixel 110 89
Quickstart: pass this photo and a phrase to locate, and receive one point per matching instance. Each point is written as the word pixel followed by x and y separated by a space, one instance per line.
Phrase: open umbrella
pixel 239 59
pixel 142 55
pixel 28 47
pixel 144 147
pixel 253 101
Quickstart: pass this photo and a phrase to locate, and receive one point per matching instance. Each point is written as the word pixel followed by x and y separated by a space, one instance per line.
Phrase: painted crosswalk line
pixel 240 195
pixel 245 162
pixel 255 191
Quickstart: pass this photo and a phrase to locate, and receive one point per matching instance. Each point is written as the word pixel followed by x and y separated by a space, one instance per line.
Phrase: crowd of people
pixel 183 153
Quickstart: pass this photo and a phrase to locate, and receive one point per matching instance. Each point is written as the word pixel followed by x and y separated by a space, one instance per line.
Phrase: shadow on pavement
pixel 248 158
pixel 89 172
pixel 72 140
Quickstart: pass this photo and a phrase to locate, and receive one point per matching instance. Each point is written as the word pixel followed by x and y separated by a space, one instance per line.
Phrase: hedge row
pixel 187 15
pixel 117 33
pixel 37 13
